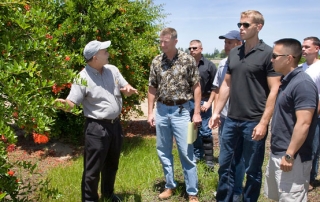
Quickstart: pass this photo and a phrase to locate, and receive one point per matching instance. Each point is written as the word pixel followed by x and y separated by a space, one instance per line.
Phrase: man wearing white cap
pixel 98 90
pixel 231 40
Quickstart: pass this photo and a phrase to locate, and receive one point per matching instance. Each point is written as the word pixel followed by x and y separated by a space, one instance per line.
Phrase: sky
pixel 206 20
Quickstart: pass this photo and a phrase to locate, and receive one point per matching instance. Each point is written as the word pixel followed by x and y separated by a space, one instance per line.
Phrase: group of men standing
pixel 252 85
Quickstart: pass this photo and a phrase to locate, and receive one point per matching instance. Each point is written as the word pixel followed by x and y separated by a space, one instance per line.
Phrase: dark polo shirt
pixel 249 87
pixel 207 71
pixel 296 92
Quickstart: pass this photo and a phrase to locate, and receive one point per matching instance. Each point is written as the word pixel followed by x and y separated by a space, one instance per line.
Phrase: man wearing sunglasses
pixel 293 126
pixel 310 51
pixel 231 40
pixel 252 85
pixel 203 146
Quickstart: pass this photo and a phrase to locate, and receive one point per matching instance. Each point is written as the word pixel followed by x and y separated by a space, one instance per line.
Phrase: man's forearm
pixel 197 98
pixel 212 96
pixel 267 114
pixel 221 99
pixel 151 99
pixel 299 135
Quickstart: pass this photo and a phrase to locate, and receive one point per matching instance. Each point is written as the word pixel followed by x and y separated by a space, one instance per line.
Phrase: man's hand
pixel 196 119
pixel 286 166
pixel 259 132
pixel 128 90
pixel 151 120
pixel 214 121
pixel 205 106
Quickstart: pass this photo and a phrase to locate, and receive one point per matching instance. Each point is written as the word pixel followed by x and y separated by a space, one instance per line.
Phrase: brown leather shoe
pixel 193 198
pixel 167 193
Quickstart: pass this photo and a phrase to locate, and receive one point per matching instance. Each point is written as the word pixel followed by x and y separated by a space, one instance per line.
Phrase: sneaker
pixel 193 198
pixel 167 193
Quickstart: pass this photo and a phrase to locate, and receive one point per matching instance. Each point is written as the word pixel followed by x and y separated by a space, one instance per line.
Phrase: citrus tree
pixel 41 45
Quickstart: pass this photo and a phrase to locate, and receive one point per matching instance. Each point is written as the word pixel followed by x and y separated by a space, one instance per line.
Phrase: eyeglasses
pixel 245 24
pixel 193 48
pixel 274 56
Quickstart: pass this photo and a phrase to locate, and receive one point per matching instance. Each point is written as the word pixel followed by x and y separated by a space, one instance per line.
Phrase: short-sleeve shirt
pixel 222 69
pixel 98 93
pixel 207 71
pixel 249 86
pixel 314 72
pixel 296 92
pixel 174 79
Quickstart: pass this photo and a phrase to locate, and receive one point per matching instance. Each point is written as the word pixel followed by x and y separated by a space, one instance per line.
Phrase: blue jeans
pixel 240 168
pixel 170 123
pixel 203 131
pixel 237 143
pixel 315 153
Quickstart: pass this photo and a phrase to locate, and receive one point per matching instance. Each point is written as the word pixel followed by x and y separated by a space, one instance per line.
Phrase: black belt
pixel 205 96
pixel 172 102
pixel 105 120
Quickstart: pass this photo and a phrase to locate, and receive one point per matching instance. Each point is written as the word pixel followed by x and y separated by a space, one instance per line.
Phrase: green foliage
pixel 41 45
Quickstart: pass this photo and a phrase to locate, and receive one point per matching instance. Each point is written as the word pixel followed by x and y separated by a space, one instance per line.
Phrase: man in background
pixel 203 145
pixel 231 39
pixel 310 51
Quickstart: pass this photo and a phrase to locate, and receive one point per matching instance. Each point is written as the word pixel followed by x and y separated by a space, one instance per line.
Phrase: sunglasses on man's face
pixel 245 24
pixel 274 56
pixel 193 48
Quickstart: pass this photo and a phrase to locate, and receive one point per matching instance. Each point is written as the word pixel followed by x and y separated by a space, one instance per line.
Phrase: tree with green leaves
pixel 41 53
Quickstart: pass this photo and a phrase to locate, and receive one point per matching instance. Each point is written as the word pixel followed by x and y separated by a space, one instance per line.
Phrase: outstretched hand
pixel 128 90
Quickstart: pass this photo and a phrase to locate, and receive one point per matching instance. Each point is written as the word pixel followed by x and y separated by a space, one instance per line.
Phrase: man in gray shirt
pixel 98 90
pixel 231 40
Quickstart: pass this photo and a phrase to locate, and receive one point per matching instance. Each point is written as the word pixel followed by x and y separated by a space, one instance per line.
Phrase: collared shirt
pixel 98 93
pixel 218 79
pixel 207 71
pixel 174 79
pixel 249 85
pixel 296 92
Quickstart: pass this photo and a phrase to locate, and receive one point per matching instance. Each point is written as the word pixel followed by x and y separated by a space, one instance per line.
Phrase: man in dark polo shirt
pixel 98 91
pixel 292 128
pixel 203 146
pixel 252 85
pixel 174 80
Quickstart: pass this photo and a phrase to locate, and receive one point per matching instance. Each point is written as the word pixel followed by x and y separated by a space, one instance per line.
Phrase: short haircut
pixel 197 41
pixel 315 40
pixel 171 31
pixel 291 47
pixel 255 15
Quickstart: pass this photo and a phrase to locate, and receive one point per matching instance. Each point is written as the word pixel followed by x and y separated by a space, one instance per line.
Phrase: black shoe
pixel 115 198
pixel 112 198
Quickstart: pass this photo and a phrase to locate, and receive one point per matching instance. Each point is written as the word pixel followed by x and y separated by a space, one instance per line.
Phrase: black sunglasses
pixel 274 56
pixel 193 48
pixel 245 24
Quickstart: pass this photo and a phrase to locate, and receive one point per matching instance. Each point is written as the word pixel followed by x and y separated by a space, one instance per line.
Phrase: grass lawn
pixel 140 175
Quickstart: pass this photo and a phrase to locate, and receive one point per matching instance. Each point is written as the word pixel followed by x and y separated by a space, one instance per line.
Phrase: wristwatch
pixel 289 158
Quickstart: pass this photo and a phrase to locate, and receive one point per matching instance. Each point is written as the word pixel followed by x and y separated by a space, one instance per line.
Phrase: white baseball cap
pixel 93 47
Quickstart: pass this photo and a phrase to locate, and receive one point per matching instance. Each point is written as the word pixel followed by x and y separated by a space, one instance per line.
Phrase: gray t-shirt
pixel 98 93
pixel 218 79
